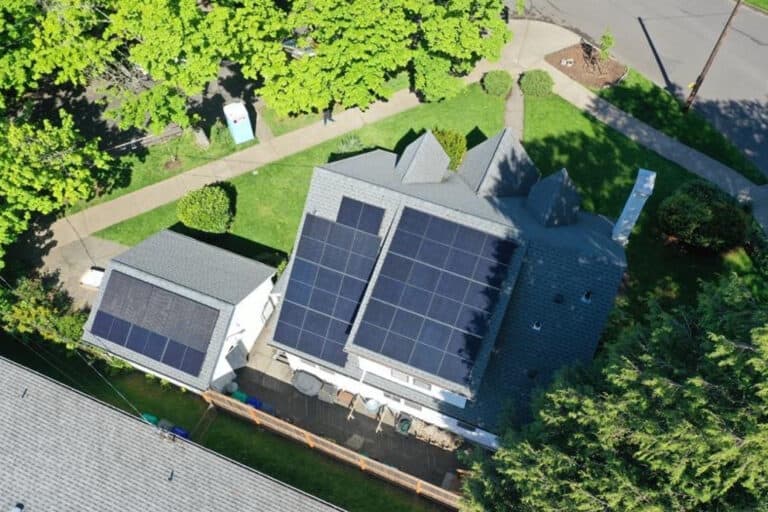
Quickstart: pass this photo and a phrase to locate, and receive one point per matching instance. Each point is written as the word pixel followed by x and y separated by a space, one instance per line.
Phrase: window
pixel 465 426
pixel 412 405
pixel 391 396
pixel 397 374
pixel 422 384
pixel 587 297
pixel 536 326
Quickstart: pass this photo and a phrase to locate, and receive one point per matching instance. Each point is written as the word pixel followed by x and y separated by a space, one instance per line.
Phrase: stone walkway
pixel 531 42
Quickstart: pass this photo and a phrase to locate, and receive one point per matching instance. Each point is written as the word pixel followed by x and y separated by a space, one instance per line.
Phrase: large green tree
pixel 676 418
pixel 43 168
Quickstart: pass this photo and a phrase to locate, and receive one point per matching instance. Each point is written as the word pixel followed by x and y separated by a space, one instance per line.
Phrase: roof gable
pixel 423 161
pixel 499 167
pixel 554 201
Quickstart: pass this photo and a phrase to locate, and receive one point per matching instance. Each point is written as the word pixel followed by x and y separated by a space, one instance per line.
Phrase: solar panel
pixel 359 215
pixel 330 272
pixel 432 300
pixel 143 317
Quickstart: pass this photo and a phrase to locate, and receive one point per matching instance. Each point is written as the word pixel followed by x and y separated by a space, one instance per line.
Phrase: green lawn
pixel 604 164
pixel 283 459
pixel 760 4
pixel 270 201
pixel 280 125
pixel 140 170
pixel 648 102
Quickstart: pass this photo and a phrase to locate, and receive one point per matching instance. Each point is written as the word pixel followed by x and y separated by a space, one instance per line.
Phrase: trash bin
pixel 181 432
pixel 238 122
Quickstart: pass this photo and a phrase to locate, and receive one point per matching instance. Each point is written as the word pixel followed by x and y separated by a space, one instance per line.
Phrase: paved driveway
pixel 669 41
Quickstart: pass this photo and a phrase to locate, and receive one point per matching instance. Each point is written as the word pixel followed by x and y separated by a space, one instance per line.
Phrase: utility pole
pixel 700 78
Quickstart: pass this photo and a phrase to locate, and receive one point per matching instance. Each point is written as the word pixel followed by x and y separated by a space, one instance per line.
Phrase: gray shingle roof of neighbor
pixel 423 161
pixel 554 201
pixel 558 266
pixel 62 450
pixel 198 266
pixel 167 284
pixel 499 167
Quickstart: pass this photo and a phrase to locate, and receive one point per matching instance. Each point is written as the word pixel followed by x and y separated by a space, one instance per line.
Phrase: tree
pixel 454 144
pixel 606 44
pixel 355 45
pixel 43 168
pixel 38 306
pixel 674 417
pixel 451 37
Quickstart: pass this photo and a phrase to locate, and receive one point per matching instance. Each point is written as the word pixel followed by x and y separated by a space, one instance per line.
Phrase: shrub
pixel 536 83
pixel 497 83
pixel 520 8
pixel 606 43
pixel 454 144
pixel 208 209
pixel 350 144
pixel 703 216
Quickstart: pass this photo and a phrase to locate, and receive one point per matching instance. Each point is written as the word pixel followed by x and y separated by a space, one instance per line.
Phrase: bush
pixel 701 215
pixel 454 144
pixel 350 144
pixel 208 209
pixel 536 83
pixel 497 83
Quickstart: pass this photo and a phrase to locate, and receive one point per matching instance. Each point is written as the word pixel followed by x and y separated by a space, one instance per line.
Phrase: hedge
pixel 536 83
pixel 208 209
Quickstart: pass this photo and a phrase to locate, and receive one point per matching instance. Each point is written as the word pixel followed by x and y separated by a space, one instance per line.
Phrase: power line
pixel 77 344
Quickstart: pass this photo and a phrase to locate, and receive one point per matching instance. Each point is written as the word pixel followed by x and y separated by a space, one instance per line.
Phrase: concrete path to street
pixel 531 42
pixel 669 42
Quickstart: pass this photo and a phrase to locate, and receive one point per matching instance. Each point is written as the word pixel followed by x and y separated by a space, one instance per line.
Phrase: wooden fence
pixel 383 471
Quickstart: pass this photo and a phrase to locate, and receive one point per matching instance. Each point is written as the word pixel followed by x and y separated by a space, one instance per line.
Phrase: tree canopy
pixel 675 417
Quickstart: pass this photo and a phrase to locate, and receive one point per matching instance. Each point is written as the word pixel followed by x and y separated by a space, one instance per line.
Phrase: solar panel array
pixel 331 269
pixel 437 288
pixel 151 344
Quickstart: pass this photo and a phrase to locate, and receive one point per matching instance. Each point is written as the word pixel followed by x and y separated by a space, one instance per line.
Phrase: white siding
pixel 478 436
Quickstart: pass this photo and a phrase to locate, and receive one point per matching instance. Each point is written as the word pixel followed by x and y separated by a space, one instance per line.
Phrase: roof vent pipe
pixel 18 507
pixel 640 193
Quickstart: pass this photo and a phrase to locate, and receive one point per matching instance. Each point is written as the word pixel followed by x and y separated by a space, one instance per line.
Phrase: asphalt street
pixel 670 40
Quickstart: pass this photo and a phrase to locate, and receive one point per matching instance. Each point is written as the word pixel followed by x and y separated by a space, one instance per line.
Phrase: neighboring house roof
pixel 201 267
pixel 551 269
pixel 160 307
pixel 62 450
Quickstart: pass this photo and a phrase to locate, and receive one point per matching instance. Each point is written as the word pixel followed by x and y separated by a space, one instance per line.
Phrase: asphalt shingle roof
pixel 198 266
pixel 558 265
pixel 62 450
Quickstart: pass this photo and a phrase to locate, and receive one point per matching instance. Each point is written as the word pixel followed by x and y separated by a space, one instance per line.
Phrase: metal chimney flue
pixel 640 193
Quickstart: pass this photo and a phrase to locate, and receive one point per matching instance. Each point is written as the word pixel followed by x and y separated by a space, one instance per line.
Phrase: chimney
pixel 640 193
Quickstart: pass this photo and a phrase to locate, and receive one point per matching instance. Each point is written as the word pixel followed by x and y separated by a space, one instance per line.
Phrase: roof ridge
pixel 500 136
pixel 214 247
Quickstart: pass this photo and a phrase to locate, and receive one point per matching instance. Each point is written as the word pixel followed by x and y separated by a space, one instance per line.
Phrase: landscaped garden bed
pixel 583 63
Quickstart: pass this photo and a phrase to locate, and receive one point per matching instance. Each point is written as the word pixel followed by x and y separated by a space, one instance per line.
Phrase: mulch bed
pixel 574 61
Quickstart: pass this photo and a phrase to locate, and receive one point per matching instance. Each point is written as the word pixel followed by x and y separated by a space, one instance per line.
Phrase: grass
pixel 270 201
pixel 280 125
pixel 638 96
pixel 603 163
pixel 139 170
pixel 760 4
pixel 280 458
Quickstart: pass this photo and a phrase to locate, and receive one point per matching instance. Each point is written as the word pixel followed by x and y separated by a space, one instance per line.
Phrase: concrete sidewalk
pixel 532 41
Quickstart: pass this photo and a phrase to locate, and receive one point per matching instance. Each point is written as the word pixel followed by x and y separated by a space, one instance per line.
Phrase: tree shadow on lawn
pixel 236 244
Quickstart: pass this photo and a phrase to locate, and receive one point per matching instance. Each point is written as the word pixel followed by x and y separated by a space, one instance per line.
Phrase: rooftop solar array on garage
pixel 330 272
pixel 152 321
pixel 436 290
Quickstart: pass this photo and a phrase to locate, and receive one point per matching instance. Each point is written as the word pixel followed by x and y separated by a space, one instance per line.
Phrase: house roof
pixel 423 161
pixel 580 254
pixel 554 201
pixel 198 266
pixel 172 315
pixel 62 450
pixel 499 167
